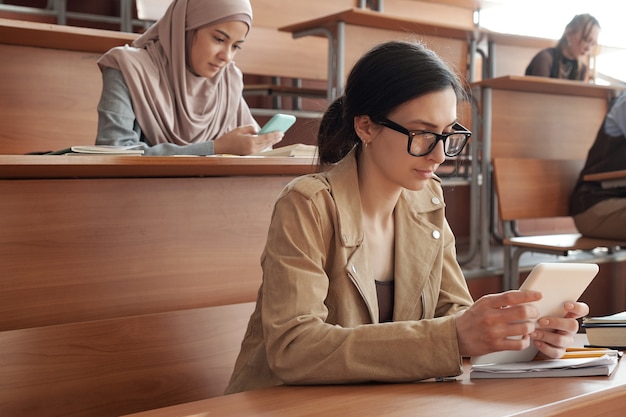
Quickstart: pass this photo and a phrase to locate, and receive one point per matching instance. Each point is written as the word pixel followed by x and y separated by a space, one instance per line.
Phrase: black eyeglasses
pixel 422 142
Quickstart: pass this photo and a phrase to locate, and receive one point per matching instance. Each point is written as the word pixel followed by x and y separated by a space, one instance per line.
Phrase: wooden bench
pixel 121 365
pixel 530 189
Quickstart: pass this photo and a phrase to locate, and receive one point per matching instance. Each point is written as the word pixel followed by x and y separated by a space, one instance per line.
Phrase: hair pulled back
pixel 387 76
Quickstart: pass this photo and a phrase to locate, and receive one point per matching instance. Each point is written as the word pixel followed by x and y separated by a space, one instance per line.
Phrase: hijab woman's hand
pixel 244 141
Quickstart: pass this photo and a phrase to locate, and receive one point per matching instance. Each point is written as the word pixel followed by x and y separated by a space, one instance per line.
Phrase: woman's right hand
pixel 493 322
pixel 245 141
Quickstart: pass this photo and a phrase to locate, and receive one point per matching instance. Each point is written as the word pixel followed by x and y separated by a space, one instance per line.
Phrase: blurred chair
pixel 150 11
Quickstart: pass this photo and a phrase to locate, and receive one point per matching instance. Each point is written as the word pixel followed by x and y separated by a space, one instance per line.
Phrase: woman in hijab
pixel 176 89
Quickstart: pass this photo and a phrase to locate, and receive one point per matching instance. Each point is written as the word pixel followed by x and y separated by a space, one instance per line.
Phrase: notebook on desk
pixel 602 365
pixel 99 150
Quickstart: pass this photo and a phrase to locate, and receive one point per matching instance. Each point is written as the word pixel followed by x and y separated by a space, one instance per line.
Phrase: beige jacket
pixel 316 318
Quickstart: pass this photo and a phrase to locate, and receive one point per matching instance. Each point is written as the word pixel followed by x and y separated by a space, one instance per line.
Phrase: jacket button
pixel 435 200
pixel 436 234
pixel 353 268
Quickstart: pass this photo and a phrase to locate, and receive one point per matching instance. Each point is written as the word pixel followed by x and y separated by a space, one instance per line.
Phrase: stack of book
pixel 606 331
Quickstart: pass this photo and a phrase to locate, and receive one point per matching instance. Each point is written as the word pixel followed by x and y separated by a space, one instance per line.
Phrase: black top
pixel 608 153
pixel 384 290
pixel 551 63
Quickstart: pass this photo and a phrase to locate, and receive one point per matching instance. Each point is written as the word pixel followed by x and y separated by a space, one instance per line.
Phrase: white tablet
pixel 559 283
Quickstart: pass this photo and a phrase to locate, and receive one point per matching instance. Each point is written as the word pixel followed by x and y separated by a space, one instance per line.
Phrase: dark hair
pixel 387 76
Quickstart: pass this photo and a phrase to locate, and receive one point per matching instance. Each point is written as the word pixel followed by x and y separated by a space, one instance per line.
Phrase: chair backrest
pixel 529 188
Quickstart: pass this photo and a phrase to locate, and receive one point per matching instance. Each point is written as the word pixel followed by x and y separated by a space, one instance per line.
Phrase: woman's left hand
pixel 553 334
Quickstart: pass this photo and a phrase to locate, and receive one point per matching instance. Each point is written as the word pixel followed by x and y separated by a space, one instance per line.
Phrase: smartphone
pixel 278 122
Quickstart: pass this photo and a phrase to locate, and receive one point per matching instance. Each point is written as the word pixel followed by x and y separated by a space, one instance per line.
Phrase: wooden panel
pixel 534 188
pixel 277 13
pixel 467 4
pixel 436 11
pixel 119 366
pixel 386 21
pixel 550 126
pixel 71 38
pixel 360 39
pixel 512 59
pixel 545 85
pixel 270 52
pixel 48 99
pixel 77 250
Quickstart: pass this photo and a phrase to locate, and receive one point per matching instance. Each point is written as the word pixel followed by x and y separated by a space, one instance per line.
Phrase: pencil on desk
pixel 583 355
pixel 577 353
pixel 586 349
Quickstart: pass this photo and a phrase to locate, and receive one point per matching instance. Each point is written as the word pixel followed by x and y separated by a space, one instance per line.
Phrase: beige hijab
pixel 171 103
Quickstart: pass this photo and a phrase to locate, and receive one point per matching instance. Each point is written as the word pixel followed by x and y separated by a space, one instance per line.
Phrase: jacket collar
pixel 344 187
pixel 415 252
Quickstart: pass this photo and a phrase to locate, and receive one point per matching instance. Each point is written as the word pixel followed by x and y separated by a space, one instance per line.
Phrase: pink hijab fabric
pixel 171 103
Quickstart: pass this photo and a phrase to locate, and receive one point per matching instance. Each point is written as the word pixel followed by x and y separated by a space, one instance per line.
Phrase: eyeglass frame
pixel 438 136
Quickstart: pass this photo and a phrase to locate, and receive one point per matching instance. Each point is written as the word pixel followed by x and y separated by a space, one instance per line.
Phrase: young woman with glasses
pixel 567 60
pixel 360 278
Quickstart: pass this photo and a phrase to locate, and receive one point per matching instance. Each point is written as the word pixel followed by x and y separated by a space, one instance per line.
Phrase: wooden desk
pixel 352 32
pixel 571 397
pixel 168 233
pixel 534 117
pixel 126 282
pixel 112 166
pixel 611 179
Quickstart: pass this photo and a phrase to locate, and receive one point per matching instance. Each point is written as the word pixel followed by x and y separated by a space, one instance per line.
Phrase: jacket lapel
pixel 416 247
pixel 345 190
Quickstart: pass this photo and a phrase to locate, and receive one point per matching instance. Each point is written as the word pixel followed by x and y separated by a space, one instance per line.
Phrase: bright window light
pixel 548 18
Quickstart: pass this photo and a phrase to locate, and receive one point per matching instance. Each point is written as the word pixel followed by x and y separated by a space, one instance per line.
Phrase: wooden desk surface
pixel 378 20
pixel 575 396
pixel 165 229
pixel 71 38
pixel 517 40
pixel 606 176
pixel 544 85
pixel 110 166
